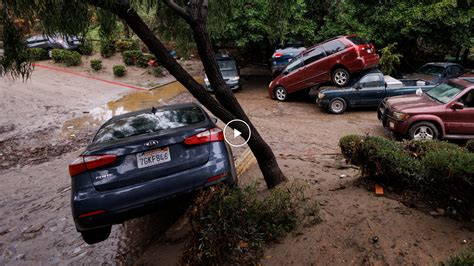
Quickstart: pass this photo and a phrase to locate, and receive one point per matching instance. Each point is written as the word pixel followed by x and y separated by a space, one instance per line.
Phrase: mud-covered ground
pixel 46 120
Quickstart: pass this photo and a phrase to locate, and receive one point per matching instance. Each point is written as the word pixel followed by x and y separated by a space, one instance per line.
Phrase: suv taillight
pixel 210 135
pixel 277 55
pixel 90 162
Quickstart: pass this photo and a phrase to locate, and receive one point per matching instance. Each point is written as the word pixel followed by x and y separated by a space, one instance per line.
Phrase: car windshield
pixel 431 70
pixel 444 93
pixel 146 123
pixel 227 65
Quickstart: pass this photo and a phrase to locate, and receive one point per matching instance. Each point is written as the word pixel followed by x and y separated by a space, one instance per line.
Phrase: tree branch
pixel 182 12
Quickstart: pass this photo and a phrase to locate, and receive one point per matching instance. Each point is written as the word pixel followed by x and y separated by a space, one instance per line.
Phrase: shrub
pixel 72 58
pixel 86 47
pixel 389 59
pixel 57 55
pixel 127 45
pixel 37 54
pixel 464 258
pixel 96 64
pixel 119 70
pixel 440 170
pixel 470 145
pixel 230 226
pixel 131 58
pixel 107 49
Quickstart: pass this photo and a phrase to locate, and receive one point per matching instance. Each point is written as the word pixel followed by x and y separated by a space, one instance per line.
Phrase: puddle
pixel 128 103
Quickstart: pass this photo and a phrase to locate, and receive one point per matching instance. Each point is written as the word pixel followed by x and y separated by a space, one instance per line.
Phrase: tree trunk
pixel 227 109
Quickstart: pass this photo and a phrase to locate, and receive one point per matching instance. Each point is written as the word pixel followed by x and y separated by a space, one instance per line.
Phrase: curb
pixel 244 162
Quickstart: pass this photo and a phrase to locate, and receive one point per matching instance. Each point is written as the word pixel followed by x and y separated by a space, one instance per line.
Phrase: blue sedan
pixel 137 160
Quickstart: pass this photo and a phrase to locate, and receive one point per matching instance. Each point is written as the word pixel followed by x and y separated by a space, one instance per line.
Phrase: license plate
pixel 391 125
pixel 154 157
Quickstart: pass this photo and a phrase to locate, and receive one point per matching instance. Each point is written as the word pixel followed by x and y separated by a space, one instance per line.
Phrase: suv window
pixel 456 70
pixel 226 64
pixel 468 99
pixel 333 47
pixel 314 55
pixel 357 40
pixel 294 65
pixel 370 81
pixel 146 123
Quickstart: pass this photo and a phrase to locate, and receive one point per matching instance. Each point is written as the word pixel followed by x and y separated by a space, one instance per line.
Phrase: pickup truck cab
pixel 444 112
pixel 369 90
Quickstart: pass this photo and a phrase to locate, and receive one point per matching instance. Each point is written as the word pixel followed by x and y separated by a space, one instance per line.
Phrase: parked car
pixel 438 72
pixel 283 55
pixel 444 112
pixel 139 159
pixel 229 70
pixel 53 42
pixel 335 60
pixel 369 90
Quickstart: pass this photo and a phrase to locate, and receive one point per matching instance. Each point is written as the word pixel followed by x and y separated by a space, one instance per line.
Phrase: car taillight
pixel 276 55
pixel 89 162
pixel 210 135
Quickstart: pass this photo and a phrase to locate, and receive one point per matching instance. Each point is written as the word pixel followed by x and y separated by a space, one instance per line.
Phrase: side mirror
pixel 358 87
pixel 286 72
pixel 457 106
pixel 213 119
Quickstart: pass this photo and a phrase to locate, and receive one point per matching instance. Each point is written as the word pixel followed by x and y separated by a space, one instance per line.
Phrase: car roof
pixel 443 64
pixel 149 110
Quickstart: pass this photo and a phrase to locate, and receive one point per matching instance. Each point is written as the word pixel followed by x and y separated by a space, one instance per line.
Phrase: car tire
pixel 337 106
pixel 280 94
pixel 96 235
pixel 341 77
pixel 423 131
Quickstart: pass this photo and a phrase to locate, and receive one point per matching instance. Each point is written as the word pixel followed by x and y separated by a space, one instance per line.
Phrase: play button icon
pixel 234 137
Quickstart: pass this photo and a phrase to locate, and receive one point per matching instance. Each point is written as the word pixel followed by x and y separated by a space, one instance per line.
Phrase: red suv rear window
pixel 357 40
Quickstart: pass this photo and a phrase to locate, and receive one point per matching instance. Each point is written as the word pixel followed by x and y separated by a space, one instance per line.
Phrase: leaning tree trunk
pixel 226 108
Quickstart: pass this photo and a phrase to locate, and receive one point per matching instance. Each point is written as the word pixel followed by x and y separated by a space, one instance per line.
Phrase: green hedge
pixel 136 57
pixel 107 49
pixel 37 54
pixel 96 64
pixel 68 58
pixel 86 47
pixel 127 45
pixel 441 170
pixel 470 145
pixel 119 70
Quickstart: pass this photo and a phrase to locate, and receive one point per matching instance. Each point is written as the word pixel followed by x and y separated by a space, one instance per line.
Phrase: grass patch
pixel 231 225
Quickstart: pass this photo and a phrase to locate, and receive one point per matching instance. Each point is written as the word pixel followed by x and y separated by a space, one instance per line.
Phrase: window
pixel 333 47
pixel 146 123
pixel 227 64
pixel 357 40
pixel 294 65
pixel 314 55
pixel 432 70
pixel 444 93
pixel 457 71
pixel 468 99
pixel 370 81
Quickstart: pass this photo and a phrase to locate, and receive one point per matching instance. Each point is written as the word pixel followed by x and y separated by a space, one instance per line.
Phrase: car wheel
pixel 281 94
pixel 337 106
pixel 340 77
pixel 423 131
pixel 96 235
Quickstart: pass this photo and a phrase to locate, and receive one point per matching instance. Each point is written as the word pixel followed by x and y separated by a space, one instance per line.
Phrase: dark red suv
pixel 444 112
pixel 335 60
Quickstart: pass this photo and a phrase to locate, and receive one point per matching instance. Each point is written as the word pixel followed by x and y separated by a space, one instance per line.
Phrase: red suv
pixel 334 60
pixel 444 112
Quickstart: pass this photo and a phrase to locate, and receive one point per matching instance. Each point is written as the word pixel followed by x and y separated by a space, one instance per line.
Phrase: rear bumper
pixel 234 85
pixel 143 198
pixel 364 63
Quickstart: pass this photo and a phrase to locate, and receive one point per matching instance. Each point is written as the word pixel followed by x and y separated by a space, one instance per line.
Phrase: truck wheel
pixel 281 94
pixel 423 131
pixel 96 235
pixel 341 77
pixel 337 106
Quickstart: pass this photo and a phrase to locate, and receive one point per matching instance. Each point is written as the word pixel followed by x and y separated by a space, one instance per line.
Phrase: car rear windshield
pixel 444 93
pixel 357 40
pixel 431 70
pixel 146 123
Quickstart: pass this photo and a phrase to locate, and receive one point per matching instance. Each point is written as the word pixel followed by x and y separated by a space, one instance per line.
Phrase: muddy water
pixel 128 103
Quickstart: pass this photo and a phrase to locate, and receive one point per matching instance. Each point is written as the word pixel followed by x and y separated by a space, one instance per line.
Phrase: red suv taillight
pixel 89 162
pixel 210 135
pixel 277 55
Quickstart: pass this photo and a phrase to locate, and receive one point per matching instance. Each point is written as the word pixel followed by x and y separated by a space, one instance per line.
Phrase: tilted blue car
pixel 139 159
